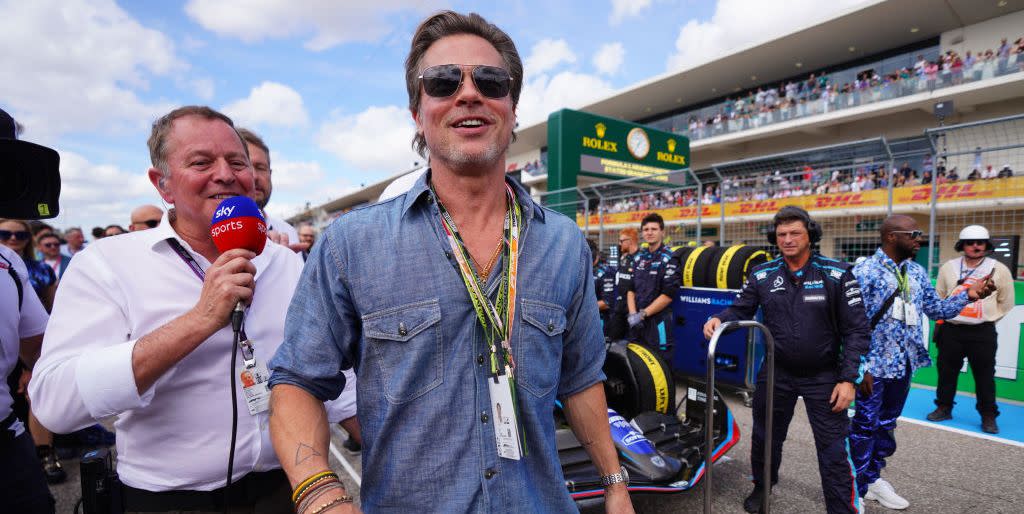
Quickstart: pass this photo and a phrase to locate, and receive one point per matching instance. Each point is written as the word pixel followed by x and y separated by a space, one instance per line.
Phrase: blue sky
pixel 320 80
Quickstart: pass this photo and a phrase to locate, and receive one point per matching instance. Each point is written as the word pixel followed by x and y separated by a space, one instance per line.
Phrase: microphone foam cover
pixel 238 223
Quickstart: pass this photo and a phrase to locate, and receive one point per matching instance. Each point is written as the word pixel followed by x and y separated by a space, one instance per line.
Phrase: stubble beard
pixel 460 160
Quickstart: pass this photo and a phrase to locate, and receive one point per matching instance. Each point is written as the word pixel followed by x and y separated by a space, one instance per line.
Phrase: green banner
pixel 581 143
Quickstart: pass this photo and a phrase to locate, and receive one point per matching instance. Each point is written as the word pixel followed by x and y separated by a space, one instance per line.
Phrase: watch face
pixel 638 143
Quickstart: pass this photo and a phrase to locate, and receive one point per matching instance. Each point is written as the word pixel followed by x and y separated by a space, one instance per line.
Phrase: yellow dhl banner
pixel 950 192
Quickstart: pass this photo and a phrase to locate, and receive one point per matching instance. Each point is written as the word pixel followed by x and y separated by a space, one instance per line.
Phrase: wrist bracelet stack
pixel 315 487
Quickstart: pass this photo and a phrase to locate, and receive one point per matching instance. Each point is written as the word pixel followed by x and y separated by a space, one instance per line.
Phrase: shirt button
pixel 551 327
pixel 489 474
pixel 402 331
pixel 484 417
pixel 480 359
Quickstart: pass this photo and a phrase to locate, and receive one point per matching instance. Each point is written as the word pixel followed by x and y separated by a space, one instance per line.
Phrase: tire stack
pixel 639 380
pixel 719 267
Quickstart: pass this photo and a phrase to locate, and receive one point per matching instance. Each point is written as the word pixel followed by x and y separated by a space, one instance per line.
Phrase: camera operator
pixel 23 319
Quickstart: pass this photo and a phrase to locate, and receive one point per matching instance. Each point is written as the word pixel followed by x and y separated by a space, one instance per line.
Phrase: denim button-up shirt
pixel 893 343
pixel 381 292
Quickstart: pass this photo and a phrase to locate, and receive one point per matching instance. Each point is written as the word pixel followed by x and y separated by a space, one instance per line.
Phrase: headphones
pixel 792 211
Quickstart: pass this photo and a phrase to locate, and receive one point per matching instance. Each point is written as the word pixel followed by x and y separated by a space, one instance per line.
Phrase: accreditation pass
pixel 503 411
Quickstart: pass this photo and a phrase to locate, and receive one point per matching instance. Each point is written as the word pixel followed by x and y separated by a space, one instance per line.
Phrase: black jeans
pixel 976 343
pixel 22 484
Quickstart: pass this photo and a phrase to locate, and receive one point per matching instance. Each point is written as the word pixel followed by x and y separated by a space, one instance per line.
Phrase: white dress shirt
pixel 16 323
pixel 177 434
pixel 282 226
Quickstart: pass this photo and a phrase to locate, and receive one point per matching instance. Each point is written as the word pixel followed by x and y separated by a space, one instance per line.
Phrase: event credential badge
pixel 254 376
pixel 503 410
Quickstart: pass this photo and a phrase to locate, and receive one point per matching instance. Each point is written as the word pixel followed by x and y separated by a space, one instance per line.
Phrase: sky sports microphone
pixel 238 223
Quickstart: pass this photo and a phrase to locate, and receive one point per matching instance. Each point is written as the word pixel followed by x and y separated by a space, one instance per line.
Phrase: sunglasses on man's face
pixel 914 234
pixel 20 235
pixel 149 223
pixel 975 242
pixel 50 245
pixel 444 80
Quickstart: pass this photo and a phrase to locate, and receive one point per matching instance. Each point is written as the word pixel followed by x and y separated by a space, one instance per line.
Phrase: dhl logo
pixel 840 200
pixel 947 192
pixel 756 207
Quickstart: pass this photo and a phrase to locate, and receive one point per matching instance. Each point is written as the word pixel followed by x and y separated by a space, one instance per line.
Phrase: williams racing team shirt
pixel 815 314
pixel 652 274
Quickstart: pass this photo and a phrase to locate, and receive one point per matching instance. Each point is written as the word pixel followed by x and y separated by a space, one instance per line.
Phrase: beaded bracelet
pixel 336 501
pixel 306 483
pixel 314 486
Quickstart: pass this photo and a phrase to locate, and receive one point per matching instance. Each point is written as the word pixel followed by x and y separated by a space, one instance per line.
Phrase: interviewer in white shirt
pixel 135 333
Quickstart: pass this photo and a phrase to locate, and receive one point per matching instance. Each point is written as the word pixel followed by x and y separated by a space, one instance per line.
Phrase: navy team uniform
pixel 604 286
pixel 653 274
pixel 615 327
pixel 816 316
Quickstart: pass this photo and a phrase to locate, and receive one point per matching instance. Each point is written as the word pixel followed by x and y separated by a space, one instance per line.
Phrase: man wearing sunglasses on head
pixel 478 296
pixel 145 217
pixel 972 333
pixel 896 292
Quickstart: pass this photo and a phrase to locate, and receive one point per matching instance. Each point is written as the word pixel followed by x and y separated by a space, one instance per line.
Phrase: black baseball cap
pixel 29 175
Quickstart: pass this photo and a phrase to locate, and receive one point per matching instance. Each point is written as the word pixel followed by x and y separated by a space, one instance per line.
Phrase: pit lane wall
pixel 739 361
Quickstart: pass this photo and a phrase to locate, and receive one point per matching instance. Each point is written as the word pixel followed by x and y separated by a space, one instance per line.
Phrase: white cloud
pixel 543 95
pixel 203 88
pixel 327 23
pixel 99 194
pixel 78 66
pixel 547 54
pixel 377 139
pixel 737 23
pixel 295 176
pixel 622 9
pixel 269 103
pixel 608 59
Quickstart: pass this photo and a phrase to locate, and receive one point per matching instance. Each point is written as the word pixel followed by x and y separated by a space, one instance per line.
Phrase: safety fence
pixel 952 177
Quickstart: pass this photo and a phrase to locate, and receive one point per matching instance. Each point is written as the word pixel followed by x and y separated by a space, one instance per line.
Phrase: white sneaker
pixel 882 492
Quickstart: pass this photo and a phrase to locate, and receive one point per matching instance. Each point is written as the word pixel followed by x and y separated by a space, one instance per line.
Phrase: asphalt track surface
pixel 938 471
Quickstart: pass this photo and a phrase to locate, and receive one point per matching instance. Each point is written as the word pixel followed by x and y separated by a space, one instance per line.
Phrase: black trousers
pixel 23 487
pixel 830 434
pixel 976 343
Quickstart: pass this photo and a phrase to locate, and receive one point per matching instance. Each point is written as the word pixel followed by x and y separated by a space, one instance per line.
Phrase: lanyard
pixel 963 278
pixel 902 280
pixel 497 327
pixel 248 355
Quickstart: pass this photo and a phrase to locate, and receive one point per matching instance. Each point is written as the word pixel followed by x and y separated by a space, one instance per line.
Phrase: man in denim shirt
pixel 897 348
pixel 410 292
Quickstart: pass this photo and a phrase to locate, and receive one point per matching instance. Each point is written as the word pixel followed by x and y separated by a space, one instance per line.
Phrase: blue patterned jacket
pixel 894 345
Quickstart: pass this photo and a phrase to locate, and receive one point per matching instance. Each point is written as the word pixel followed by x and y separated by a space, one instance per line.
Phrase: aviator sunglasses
pixel 444 80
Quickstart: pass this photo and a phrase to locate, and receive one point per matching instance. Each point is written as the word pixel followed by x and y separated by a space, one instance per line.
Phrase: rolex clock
pixel 638 143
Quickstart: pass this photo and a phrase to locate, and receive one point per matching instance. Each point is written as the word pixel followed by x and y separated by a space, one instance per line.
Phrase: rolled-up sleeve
pixel 322 329
pixel 85 373
pixel 583 349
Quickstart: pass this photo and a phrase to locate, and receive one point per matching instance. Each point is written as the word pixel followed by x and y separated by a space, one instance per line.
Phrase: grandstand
pixel 821 116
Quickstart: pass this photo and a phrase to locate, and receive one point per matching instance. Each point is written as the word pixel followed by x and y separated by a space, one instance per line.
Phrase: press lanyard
pixel 496 327
pixel 902 280
pixel 248 356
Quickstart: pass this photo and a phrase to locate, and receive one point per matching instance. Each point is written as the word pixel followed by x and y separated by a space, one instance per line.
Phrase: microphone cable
pixel 239 332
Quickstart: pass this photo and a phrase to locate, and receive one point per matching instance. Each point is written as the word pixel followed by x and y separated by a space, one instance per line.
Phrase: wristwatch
pixel 621 477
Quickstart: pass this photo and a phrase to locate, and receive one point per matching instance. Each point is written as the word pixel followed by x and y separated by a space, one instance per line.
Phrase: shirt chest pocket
pixel 539 352
pixel 405 345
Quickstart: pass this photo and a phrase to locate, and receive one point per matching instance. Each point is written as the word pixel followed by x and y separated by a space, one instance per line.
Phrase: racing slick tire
pixel 734 264
pixel 706 264
pixel 638 381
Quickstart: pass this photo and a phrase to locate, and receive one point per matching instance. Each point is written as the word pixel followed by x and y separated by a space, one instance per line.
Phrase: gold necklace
pixel 485 271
